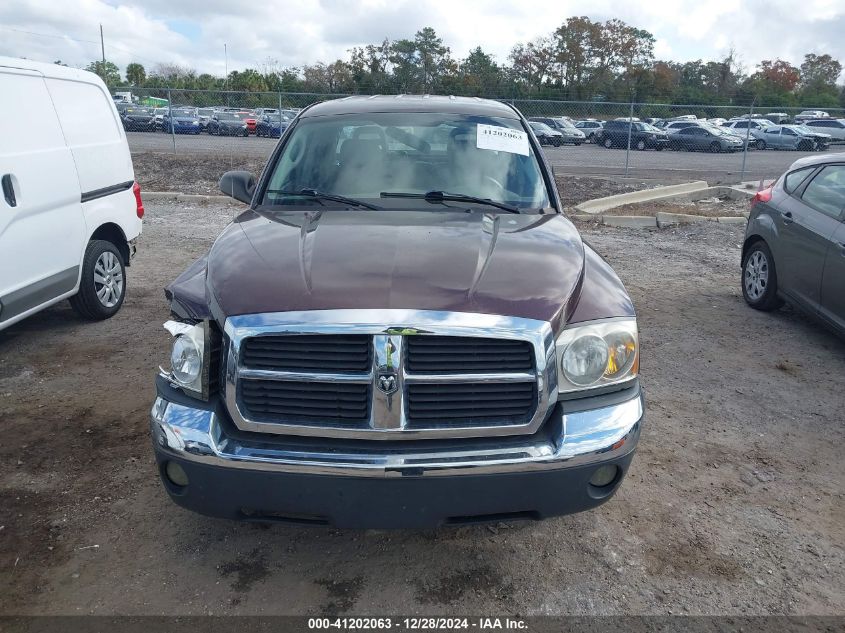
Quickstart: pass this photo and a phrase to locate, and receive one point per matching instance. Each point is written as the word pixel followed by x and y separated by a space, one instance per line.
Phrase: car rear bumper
pixel 363 485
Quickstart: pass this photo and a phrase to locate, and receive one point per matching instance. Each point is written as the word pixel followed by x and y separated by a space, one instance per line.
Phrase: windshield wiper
pixel 320 195
pixel 443 196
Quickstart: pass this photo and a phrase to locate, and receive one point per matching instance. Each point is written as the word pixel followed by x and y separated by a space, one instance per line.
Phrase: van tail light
pixel 762 196
pixel 139 205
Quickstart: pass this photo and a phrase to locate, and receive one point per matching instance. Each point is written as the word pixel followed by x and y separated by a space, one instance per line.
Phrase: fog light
pixel 176 474
pixel 604 476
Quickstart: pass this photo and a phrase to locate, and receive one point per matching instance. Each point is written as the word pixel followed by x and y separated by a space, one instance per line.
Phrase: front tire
pixel 103 284
pixel 715 148
pixel 640 145
pixel 761 144
pixel 608 143
pixel 759 278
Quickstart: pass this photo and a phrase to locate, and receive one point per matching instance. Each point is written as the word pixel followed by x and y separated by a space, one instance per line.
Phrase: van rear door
pixel 41 222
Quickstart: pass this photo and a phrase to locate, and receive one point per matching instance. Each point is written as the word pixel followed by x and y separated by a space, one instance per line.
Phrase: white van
pixel 70 209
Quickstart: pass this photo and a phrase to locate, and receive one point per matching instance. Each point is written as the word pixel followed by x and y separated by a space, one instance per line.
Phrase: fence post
pixel 628 149
pixel 745 148
pixel 170 120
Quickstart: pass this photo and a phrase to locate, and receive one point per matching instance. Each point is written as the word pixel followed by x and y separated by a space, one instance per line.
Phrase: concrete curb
pixel 646 195
pixel 177 196
pixel 630 221
pixel 732 220
pixel 676 219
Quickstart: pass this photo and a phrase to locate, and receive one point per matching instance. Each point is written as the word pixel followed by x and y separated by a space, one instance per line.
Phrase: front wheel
pixel 102 287
pixel 761 144
pixel 759 278
pixel 805 146
pixel 607 143
pixel 640 145
pixel 715 148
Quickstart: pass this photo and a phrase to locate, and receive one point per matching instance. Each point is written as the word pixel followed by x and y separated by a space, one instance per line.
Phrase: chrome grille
pixel 389 374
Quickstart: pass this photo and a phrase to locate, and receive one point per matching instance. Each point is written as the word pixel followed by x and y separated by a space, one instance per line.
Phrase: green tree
pixel 479 74
pixel 107 71
pixel 135 74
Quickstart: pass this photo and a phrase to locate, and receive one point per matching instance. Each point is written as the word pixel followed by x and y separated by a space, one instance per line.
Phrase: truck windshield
pixel 361 156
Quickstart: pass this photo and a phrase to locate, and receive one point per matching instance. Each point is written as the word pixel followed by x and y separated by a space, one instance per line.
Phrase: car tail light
pixel 762 196
pixel 139 205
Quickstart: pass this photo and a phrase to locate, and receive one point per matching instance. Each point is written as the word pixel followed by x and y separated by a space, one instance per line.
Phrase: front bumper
pixel 364 484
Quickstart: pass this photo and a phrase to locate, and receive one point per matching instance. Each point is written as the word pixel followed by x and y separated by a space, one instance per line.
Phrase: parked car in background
pixel 227 124
pixel 181 121
pixel 716 121
pixel 158 117
pixel 272 125
pixel 137 119
pixel 778 118
pixel 589 128
pixel 545 134
pixel 251 120
pixel 821 139
pixel 70 209
pixel 834 127
pixel 674 126
pixel 751 128
pixel 568 131
pixel 704 138
pixel 412 335
pixel 260 112
pixel 792 137
pixel 204 115
pixel 809 115
pixel 642 135
pixel 794 246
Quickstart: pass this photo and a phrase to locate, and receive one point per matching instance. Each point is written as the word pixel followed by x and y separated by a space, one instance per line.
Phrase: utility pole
pixel 226 62
pixel 103 51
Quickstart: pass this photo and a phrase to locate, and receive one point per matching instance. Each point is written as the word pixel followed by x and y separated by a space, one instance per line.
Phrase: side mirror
pixel 240 185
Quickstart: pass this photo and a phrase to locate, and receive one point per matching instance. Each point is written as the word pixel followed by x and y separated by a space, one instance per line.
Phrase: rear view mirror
pixel 240 185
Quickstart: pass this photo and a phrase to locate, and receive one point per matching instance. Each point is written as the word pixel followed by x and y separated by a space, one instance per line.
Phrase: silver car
pixel 751 128
pixel 793 137
pixel 589 128
pixel 834 127
pixel 794 246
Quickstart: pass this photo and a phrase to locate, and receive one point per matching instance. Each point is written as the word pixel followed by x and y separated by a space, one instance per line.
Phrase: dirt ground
pixel 734 504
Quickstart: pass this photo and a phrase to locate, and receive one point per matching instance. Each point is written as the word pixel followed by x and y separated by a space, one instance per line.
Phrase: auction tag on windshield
pixel 501 139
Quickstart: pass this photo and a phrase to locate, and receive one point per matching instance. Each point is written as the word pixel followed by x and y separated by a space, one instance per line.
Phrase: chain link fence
pixel 211 131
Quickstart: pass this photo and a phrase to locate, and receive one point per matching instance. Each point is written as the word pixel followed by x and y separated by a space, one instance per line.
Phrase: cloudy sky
pixel 296 32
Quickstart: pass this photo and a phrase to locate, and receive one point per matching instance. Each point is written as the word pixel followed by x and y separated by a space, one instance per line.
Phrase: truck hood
pixel 528 266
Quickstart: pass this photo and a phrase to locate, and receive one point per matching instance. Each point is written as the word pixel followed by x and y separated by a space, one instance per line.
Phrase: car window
pixel 773 130
pixel 794 179
pixel 826 192
pixel 360 156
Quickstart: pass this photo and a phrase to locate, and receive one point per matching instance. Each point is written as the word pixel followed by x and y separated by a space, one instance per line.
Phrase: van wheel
pixel 640 145
pixel 103 284
pixel 608 143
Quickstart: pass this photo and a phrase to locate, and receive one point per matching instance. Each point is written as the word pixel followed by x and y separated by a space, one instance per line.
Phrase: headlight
pixel 195 122
pixel 189 360
pixel 598 354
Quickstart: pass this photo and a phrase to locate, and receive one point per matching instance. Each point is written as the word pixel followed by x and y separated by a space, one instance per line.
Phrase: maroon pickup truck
pixel 402 329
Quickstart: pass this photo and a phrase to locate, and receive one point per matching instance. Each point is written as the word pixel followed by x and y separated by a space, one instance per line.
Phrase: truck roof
pixel 412 103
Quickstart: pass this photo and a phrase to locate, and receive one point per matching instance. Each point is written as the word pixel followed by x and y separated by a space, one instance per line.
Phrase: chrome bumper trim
pixel 591 436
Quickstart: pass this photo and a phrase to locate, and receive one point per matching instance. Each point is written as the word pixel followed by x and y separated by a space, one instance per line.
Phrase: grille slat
pixel 338 353
pixel 470 404
pixel 461 354
pixel 332 404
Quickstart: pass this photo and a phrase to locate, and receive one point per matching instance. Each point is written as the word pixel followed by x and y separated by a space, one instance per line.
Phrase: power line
pixel 75 39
